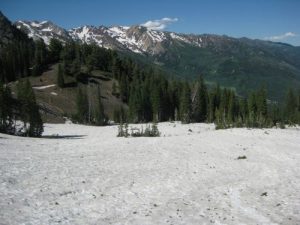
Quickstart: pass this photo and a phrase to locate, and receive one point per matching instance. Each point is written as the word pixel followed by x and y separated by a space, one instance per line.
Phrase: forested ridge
pixel 149 92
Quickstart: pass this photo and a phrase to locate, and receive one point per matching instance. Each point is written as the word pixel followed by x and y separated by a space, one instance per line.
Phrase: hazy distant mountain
pixel 240 63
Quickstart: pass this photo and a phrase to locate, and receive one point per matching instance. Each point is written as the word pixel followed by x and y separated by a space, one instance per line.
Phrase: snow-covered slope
pixel 190 175
pixel 137 39
pixel 45 30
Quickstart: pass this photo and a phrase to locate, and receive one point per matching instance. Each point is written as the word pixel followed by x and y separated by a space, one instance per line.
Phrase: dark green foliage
pixel 100 117
pixel 83 112
pixel 98 58
pixel 200 102
pixel 60 76
pixel 40 58
pixel 250 112
pixel 29 110
pixel 291 110
pixel 55 48
pixel 291 104
pixel 146 89
pixel 16 52
pixel 185 104
pixel 120 115
pixel 214 103
pixel 6 110
pixel 25 109
pixel 242 64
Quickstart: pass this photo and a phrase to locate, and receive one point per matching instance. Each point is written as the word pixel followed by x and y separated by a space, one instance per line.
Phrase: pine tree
pixel 221 111
pixel 29 110
pixel 120 115
pixel 291 107
pixel 60 77
pixel 185 104
pixel 243 106
pixel 231 114
pixel 200 103
pixel 82 104
pixel 252 109
pixel 135 102
pixel 76 68
pixel 100 118
pixel 37 68
pixel 156 102
pixel 124 90
pixel 55 48
pixel 40 58
pixel 262 108
pixel 6 114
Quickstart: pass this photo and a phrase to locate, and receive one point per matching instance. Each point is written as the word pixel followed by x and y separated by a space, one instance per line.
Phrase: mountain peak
pixel 137 38
pixel 45 30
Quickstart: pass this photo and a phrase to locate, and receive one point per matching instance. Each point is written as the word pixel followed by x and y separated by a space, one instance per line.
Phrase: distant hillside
pixel 242 64
pixel 57 103
pixel 239 63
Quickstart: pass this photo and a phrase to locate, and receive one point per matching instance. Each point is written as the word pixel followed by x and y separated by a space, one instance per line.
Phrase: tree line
pixel 147 90
pixel 20 115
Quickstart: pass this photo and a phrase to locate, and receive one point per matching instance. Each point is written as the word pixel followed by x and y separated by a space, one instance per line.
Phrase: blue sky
pixel 277 20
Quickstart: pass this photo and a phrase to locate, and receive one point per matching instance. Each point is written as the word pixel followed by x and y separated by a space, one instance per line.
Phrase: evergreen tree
pixel 200 103
pixel 75 68
pixel 185 104
pixel 232 108
pixel 252 109
pixel 119 115
pixel 291 107
pixel 135 102
pixel 55 48
pixel 262 108
pixel 211 107
pixel 60 76
pixel 6 113
pixel 243 106
pixel 37 68
pixel 156 102
pixel 29 111
pixel 40 58
pixel 100 118
pixel 82 104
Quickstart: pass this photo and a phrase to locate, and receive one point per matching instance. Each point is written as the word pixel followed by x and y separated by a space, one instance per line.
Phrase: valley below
pixel 191 174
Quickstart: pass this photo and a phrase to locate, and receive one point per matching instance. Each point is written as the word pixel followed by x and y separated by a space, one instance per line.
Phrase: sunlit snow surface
pixel 44 87
pixel 190 175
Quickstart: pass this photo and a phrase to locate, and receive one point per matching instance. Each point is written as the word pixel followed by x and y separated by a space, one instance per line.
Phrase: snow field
pixel 190 175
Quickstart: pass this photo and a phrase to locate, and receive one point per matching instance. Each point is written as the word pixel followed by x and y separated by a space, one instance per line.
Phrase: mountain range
pixel 239 63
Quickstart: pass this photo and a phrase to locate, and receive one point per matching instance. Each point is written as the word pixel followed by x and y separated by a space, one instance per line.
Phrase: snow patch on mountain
pixel 137 39
pixel 35 24
pixel 180 38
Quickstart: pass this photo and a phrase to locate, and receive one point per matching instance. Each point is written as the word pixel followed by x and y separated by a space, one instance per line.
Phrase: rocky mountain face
pixel 45 30
pixel 137 39
pixel 9 33
pixel 239 63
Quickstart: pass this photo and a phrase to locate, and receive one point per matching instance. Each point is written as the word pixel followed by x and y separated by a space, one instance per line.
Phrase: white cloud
pixel 281 37
pixel 159 24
